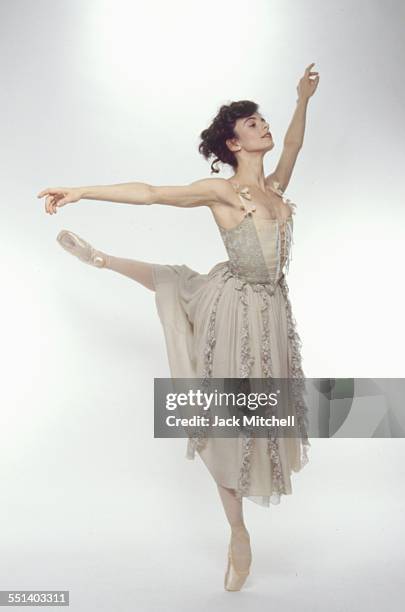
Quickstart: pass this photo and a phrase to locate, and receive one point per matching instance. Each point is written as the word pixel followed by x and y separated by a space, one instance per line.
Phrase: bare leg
pixel 232 506
pixel 140 271
pixel 240 540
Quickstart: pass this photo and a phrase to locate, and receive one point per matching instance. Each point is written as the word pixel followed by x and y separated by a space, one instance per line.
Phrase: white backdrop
pixel 109 92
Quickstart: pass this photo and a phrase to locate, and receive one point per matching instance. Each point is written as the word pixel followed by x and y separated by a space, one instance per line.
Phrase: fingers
pixel 54 198
pixel 52 202
pixel 49 191
pixel 56 203
pixel 308 71
pixel 50 205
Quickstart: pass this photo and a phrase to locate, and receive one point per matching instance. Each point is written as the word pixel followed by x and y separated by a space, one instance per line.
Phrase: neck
pixel 251 174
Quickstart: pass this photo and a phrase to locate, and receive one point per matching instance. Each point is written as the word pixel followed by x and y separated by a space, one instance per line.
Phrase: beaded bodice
pixel 259 249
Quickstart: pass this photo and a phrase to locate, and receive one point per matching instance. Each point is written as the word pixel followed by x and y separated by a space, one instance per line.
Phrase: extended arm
pixel 199 193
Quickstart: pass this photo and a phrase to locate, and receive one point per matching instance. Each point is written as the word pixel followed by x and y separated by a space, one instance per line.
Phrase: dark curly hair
pixel 222 127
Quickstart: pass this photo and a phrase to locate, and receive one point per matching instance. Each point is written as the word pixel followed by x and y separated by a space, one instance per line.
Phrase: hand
pixel 307 86
pixel 59 196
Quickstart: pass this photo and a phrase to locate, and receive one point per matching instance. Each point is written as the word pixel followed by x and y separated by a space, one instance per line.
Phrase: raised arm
pixel 294 137
pixel 291 147
pixel 203 192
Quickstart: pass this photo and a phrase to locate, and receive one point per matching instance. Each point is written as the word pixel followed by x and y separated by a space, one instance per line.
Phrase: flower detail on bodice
pixel 245 193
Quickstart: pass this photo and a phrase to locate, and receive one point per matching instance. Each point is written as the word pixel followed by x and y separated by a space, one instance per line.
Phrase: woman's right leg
pixel 140 271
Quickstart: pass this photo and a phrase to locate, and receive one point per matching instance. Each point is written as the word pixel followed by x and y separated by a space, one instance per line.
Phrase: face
pixel 251 134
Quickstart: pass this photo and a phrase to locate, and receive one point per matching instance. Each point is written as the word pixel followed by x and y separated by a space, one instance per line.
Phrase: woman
pixel 236 321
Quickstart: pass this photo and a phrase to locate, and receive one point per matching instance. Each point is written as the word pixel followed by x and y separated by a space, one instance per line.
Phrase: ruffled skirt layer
pixel 218 326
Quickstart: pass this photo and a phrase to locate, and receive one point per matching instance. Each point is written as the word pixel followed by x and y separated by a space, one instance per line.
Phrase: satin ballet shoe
pixel 80 248
pixel 235 577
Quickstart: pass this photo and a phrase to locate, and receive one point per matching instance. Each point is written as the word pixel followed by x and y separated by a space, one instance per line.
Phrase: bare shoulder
pixel 225 192
pixel 218 190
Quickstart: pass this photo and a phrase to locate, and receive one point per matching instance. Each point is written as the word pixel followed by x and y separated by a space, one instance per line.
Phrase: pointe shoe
pixel 80 248
pixel 235 577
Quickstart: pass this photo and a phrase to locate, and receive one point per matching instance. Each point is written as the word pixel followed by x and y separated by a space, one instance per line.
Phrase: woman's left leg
pixel 232 506
pixel 240 539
